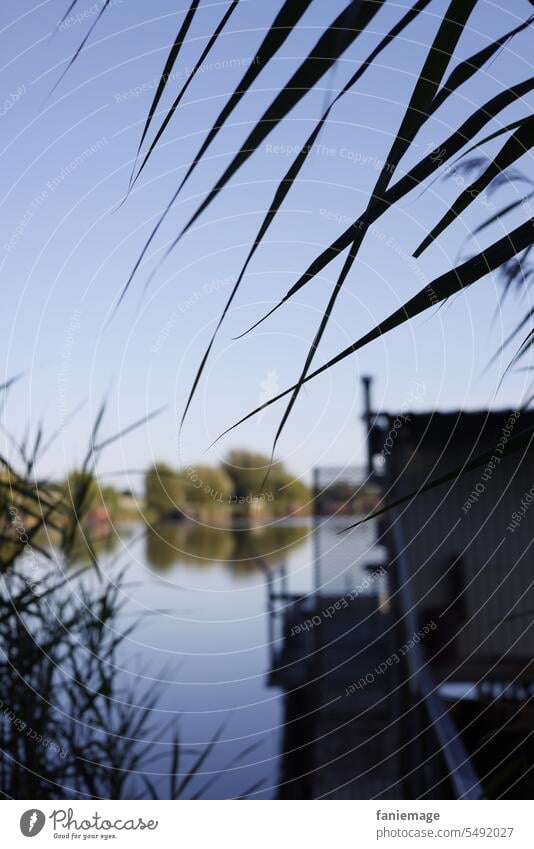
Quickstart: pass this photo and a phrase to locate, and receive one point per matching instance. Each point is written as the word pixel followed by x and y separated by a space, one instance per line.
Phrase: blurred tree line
pixel 239 483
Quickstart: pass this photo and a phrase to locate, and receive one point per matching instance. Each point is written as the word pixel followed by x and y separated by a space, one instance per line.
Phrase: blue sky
pixel 67 247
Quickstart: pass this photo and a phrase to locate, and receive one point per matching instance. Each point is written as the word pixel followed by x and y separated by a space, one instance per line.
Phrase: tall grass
pixel 72 725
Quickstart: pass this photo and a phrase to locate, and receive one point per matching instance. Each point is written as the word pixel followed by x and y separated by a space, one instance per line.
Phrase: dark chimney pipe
pixel 368 417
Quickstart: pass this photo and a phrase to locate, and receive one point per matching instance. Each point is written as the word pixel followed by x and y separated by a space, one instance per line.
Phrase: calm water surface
pixel 200 599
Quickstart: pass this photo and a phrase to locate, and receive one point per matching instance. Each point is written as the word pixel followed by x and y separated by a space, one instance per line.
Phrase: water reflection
pixel 244 549
pixel 209 608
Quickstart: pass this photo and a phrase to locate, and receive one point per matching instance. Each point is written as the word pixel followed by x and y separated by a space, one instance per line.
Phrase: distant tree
pixel 253 475
pixel 164 489
pixel 205 485
pixel 248 469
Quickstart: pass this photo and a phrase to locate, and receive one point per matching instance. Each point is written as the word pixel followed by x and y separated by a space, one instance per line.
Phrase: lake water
pixel 204 638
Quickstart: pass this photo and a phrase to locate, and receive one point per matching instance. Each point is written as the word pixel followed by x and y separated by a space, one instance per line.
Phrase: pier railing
pixel 461 773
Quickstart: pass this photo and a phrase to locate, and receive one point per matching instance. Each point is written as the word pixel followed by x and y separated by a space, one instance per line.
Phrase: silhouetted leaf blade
pixel 195 769
pixel 67 13
pixel 469 67
pixel 82 43
pixel 178 99
pixel 420 172
pixel 330 46
pixel 418 110
pixel 282 26
pixel 517 145
pixel 502 212
pixel 291 175
pixel 453 281
pixel 167 69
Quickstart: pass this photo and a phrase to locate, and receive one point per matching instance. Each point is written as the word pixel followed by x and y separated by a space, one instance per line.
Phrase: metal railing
pixel 462 775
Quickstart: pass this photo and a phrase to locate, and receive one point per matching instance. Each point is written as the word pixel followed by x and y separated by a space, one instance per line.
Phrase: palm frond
pixel 291 175
pixel 443 287
pixel 166 73
pixel 179 97
pixel 517 145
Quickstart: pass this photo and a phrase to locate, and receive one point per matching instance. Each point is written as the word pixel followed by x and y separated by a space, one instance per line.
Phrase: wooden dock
pixel 341 736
